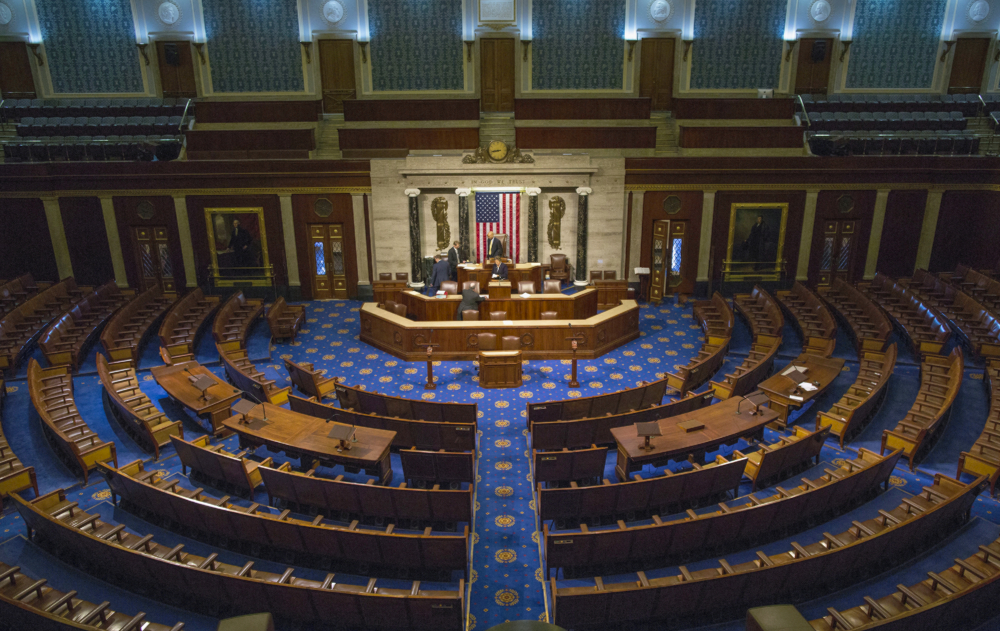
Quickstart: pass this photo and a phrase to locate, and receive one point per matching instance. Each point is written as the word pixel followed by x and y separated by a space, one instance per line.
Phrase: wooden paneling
pixel 586 137
pixel 259 111
pixel 24 240
pixel 732 108
pixel 827 208
pixel 969 65
pixel 967 229
pixel 904 215
pixel 415 110
pixel 724 200
pixel 690 212
pixel 16 81
pixel 497 72
pixel 303 207
pixel 87 239
pixel 336 67
pixel 250 144
pixel 163 215
pixel 740 137
pixel 812 75
pixel 414 138
pixel 176 80
pixel 656 71
pixel 581 109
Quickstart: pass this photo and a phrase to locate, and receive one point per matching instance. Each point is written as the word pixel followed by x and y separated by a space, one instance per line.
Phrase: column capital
pixel 463 192
pixel 411 192
pixel 533 191
pixel 584 191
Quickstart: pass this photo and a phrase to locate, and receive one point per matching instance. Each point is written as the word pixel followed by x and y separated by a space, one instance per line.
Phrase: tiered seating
pixel 730 588
pixel 21 326
pixel 925 327
pixel 940 379
pixel 579 465
pixel 353 398
pixel 233 321
pixel 973 321
pixel 26 603
pixel 716 320
pixel 180 327
pixel 90 126
pixel 285 320
pixel 17 110
pixel 51 391
pixel 641 397
pixel 735 524
pixel 313 543
pixel 790 453
pixel 66 340
pixel 309 380
pixel 221 589
pixel 763 314
pixel 147 425
pixel 14 292
pixel 967 104
pixel 241 372
pixel 858 405
pixel 438 467
pixel 754 369
pixel 337 497
pixel 983 458
pixel 887 121
pixel 814 320
pixel 868 324
pixel 94 148
pixel 14 476
pixel 124 334
pixel 225 470
pixel 985 289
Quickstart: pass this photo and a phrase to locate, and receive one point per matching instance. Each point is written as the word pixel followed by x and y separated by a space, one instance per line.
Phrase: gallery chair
pixel 552 287
pixel 471 284
pixel 525 286
pixel 498 315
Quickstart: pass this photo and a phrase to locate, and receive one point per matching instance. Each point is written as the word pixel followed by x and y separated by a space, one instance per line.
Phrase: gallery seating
pixel 79 447
pixel 438 467
pixel 354 398
pixel 67 339
pixel 967 104
pixel 309 380
pixel 180 327
pixel 813 319
pixel 242 373
pixel 123 146
pixel 314 543
pixel 20 327
pixel 335 497
pixel 645 395
pixel 940 380
pixel 16 291
pixel 737 523
pixel 27 603
pixel 923 325
pixel 790 453
pixel 14 476
pixel 431 435
pixel 133 410
pixel 835 560
pixel 285 320
pixel 763 314
pixel 867 322
pixel 224 469
pixel 973 321
pixel 233 321
pixel 887 121
pixel 584 465
pixel 208 585
pixel 716 319
pixel 983 458
pixel 123 336
pixel 858 405
pixel 754 369
pixel 16 110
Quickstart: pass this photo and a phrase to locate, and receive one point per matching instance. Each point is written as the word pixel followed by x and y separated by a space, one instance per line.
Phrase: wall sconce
pixel 38 56
pixel 947 49
pixel 364 51
pixel 142 49
pixel 847 47
pixel 307 49
pixel 687 48
pixel 631 48
pixel 200 47
pixel 468 50
pixel 791 47
pixel 525 45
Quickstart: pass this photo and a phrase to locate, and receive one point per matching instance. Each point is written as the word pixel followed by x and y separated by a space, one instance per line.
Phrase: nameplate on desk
pixel 795 398
pixel 508 323
pixel 691 426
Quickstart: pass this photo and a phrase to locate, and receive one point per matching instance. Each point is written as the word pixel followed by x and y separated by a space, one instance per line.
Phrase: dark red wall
pixel 343 213
pixel 826 209
pixel 904 215
pixel 25 240
pixel 690 212
pixel 968 228
pixel 87 239
pixel 163 215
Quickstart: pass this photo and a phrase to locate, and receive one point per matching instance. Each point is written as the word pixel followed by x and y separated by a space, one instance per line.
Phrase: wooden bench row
pixel 125 332
pixel 66 340
pixel 14 476
pixel 645 395
pixel 835 560
pixel 51 391
pixel 924 326
pixel 285 320
pixel 565 465
pixel 715 317
pixel 210 586
pixel 315 543
pixel 17 291
pixel 242 373
pixel 357 399
pixel 983 458
pixel 233 321
pixel 762 312
pixel 180 327
pixel 223 469
pixel 754 369
pixel 310 381
pixel 970 319
pixel 858 405
pixel 812 317
pixel 940 380
pixel 752 519
pixel 985 289
pixel 133 410
pixel 868 323
pixel 716 320
pixel 24 324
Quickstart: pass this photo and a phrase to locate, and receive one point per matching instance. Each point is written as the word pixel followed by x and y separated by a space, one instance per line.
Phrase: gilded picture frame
pixel 246 264
pixel 756 243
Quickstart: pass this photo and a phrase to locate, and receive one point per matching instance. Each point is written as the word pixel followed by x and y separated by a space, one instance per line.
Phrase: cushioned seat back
pixel 487 341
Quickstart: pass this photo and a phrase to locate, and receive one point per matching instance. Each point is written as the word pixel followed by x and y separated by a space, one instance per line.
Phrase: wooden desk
pixel 219 398
pixel 500 369
pixel 388 290
pixel 780 389
pixel 578 306
pixel 515 274
pixel 722 425
pixel 500 289
pixel 307 437
pixel 610 293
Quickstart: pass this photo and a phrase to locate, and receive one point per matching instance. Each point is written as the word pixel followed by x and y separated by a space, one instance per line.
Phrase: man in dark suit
pixel 470 300
pixel 240 242
pixel 454 258
pixel 494 248
pixel 499 269
pixel 439 273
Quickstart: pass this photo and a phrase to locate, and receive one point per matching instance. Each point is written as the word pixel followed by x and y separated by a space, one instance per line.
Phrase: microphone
pixel 263 407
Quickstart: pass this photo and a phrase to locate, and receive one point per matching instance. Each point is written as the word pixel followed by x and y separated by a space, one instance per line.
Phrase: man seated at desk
pixel 499 269
pixel 470 301
pixel 439 273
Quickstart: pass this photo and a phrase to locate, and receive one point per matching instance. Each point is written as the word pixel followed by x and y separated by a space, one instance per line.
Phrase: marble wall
pixel 428 226
pixel 567 244
pixel 895 43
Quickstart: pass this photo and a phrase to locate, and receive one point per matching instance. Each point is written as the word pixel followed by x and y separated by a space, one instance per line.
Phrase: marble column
pixel 184 236
pixel 805 239
pixel 581 235
pixel 635 245
pixel 875 239
pixel 114 240
pixel 58 235
pixel 928 229
pixel 416 260
pixel 291 252
pixel 360 237
pixel 705 239
pixel 463 221
pixel 533 194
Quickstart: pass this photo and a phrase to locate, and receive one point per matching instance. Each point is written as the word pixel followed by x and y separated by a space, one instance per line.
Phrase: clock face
pixel 497 150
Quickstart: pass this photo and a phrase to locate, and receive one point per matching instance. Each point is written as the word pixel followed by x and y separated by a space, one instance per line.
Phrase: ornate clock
pixel 498 150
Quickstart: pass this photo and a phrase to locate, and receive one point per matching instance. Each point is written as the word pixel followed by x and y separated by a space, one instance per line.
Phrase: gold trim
pixel 804 186
pixel 184 192
pixel 210 232
pixel 779 260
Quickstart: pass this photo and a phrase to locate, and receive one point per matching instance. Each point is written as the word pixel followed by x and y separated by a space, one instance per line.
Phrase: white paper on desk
pixel 795 398
pixel 808 387
pixel 526 295
pixel 508 323
pixel 801 369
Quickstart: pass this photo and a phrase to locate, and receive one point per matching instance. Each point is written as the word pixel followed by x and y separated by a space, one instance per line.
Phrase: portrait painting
pixel 756 238
pixel 237 242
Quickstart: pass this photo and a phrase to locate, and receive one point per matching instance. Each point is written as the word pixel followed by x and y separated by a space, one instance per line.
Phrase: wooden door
pixel 656 72
pixel 497 72
pixel 666 260
pixel 176 66
pixel 813 73
pixel 153 257
pixel 329 265
pixel 836 258
pixel 16 81
pixel 969 65
pixel 336 68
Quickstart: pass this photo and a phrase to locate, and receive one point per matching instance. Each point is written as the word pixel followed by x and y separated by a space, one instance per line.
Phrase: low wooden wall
pixel 740 137
pixel 586 137
pixel 411 110
pixel 258 111
pixel 733 108
pixel 584 109
pixel 414 138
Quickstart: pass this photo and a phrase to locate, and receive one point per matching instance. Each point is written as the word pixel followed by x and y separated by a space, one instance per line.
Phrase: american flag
pixel 501 214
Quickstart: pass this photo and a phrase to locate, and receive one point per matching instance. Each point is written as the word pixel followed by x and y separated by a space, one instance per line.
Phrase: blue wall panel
pixel 254 45
pixel 90 46
pixel 416 44
pixel 577 44
pixel 737 44
pixel 895 43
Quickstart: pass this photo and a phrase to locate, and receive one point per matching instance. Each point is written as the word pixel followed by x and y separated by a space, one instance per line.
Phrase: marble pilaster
pixel 805 239
pixel 184 236
pixel 114 240
pixel 533 223
pixel 581 235
pixel 705 241
pixel 875 239
pixel 416 263
pixel 57 233
pixel 928 229
pixel 288 232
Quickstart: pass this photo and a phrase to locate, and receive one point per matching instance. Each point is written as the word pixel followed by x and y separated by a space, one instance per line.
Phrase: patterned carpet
pixel 506 565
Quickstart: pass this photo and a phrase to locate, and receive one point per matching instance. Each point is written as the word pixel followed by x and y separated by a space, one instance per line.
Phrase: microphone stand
pixel 263 407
